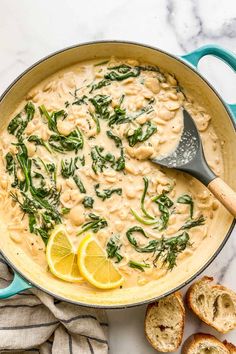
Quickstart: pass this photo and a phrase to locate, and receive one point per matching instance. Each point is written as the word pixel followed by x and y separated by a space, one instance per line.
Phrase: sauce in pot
pixel 76 152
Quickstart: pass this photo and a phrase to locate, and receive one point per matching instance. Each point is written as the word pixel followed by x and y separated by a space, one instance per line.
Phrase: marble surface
pixel 30 30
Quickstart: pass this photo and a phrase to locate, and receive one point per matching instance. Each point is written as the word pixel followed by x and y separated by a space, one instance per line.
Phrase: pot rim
pixel 219 249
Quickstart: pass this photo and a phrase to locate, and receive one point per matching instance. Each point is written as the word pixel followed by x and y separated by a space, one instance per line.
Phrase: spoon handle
pixel 224 194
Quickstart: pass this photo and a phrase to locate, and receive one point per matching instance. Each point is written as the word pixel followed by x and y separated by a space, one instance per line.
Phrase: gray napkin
pixel 34 322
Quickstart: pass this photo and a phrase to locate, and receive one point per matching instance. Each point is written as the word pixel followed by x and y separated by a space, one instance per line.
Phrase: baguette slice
pixel 213 304
pixel 231 347
pixel 201 343
pixel 164 323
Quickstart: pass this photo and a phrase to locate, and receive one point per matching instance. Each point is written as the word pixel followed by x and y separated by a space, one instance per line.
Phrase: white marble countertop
pixel 30 30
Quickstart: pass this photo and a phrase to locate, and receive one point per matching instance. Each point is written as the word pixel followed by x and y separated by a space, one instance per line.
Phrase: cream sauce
pixel 156 99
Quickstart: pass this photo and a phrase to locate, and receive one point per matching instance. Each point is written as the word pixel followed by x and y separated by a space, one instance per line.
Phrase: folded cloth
pixel 35 322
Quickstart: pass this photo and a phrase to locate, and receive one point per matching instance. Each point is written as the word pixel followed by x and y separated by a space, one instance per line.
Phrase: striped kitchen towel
pixel 34 322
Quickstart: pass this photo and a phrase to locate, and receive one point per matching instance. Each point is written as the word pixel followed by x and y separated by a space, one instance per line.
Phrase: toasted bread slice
pixel 213 304
pixel 201 343
pixel 164 323
pixel 231 347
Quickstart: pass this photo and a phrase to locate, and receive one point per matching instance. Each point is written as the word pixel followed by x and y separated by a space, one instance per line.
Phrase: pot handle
pixel 17 285
pixel 213 49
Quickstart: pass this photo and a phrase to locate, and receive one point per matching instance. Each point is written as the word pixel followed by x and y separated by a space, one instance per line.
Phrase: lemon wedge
pixel 61 256
pixel 95 267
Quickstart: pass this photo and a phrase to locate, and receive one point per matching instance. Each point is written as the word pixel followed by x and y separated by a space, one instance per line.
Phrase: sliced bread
pixel 231 347
pixel 213 304
pixel 164 323
pixel 201 343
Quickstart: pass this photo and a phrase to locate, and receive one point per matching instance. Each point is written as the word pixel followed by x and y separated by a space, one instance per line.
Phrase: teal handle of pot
pixel 212 49
pixel 17 285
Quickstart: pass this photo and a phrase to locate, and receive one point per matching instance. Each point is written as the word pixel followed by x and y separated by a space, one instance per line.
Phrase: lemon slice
pixel 95 267
pixel 61 257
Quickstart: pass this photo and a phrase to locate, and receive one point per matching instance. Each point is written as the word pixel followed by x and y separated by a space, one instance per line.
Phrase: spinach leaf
pixel 95 224
pixel 122 72
pixel 28 206
pixel 106 193
pixel 96 121
pixel 10 163
pixel 68 167
pixel 72 142
pixel 80 101
pixel 82 160
pixel 114 137
pixel 43 214
pixel 50 204
pixel 14 124
pixel 146 183
pixel 65 211
pixel 119 165
pixel 142 220
pixel 119 116
pixel 39 141
pixel 11 168
pixel 141 135
pixel 29 111
pixel 113 249
pixel 187 199
pixel 50 168
pixel 149 68
pixel 79 183
pixel 100 161
pixel 99 85
pixel 21 120
pixel 169 249
pixel 193 223
pixel 164 203
pixel 36 199
pixel 88 202
pixel 41 189
pixel 120 162
pixel 129 234
pixel 166 249
pixel 52 118
pixel 101 104
pixel 25 165
pixel 39 193
pixel 139 266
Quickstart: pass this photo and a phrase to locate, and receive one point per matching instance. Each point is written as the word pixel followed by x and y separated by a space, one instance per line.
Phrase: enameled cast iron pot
pixel 27 273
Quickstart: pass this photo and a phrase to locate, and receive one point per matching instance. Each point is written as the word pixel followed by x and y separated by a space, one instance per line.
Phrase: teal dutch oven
pixel 28 274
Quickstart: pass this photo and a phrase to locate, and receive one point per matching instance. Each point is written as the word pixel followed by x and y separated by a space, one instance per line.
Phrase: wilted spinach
pixel 106 193
pixel 142 133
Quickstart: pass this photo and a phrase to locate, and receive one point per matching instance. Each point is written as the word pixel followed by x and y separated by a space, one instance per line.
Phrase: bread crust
pixel 178 296
pixel 230 346
pixel 191 303
pixel 195 340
